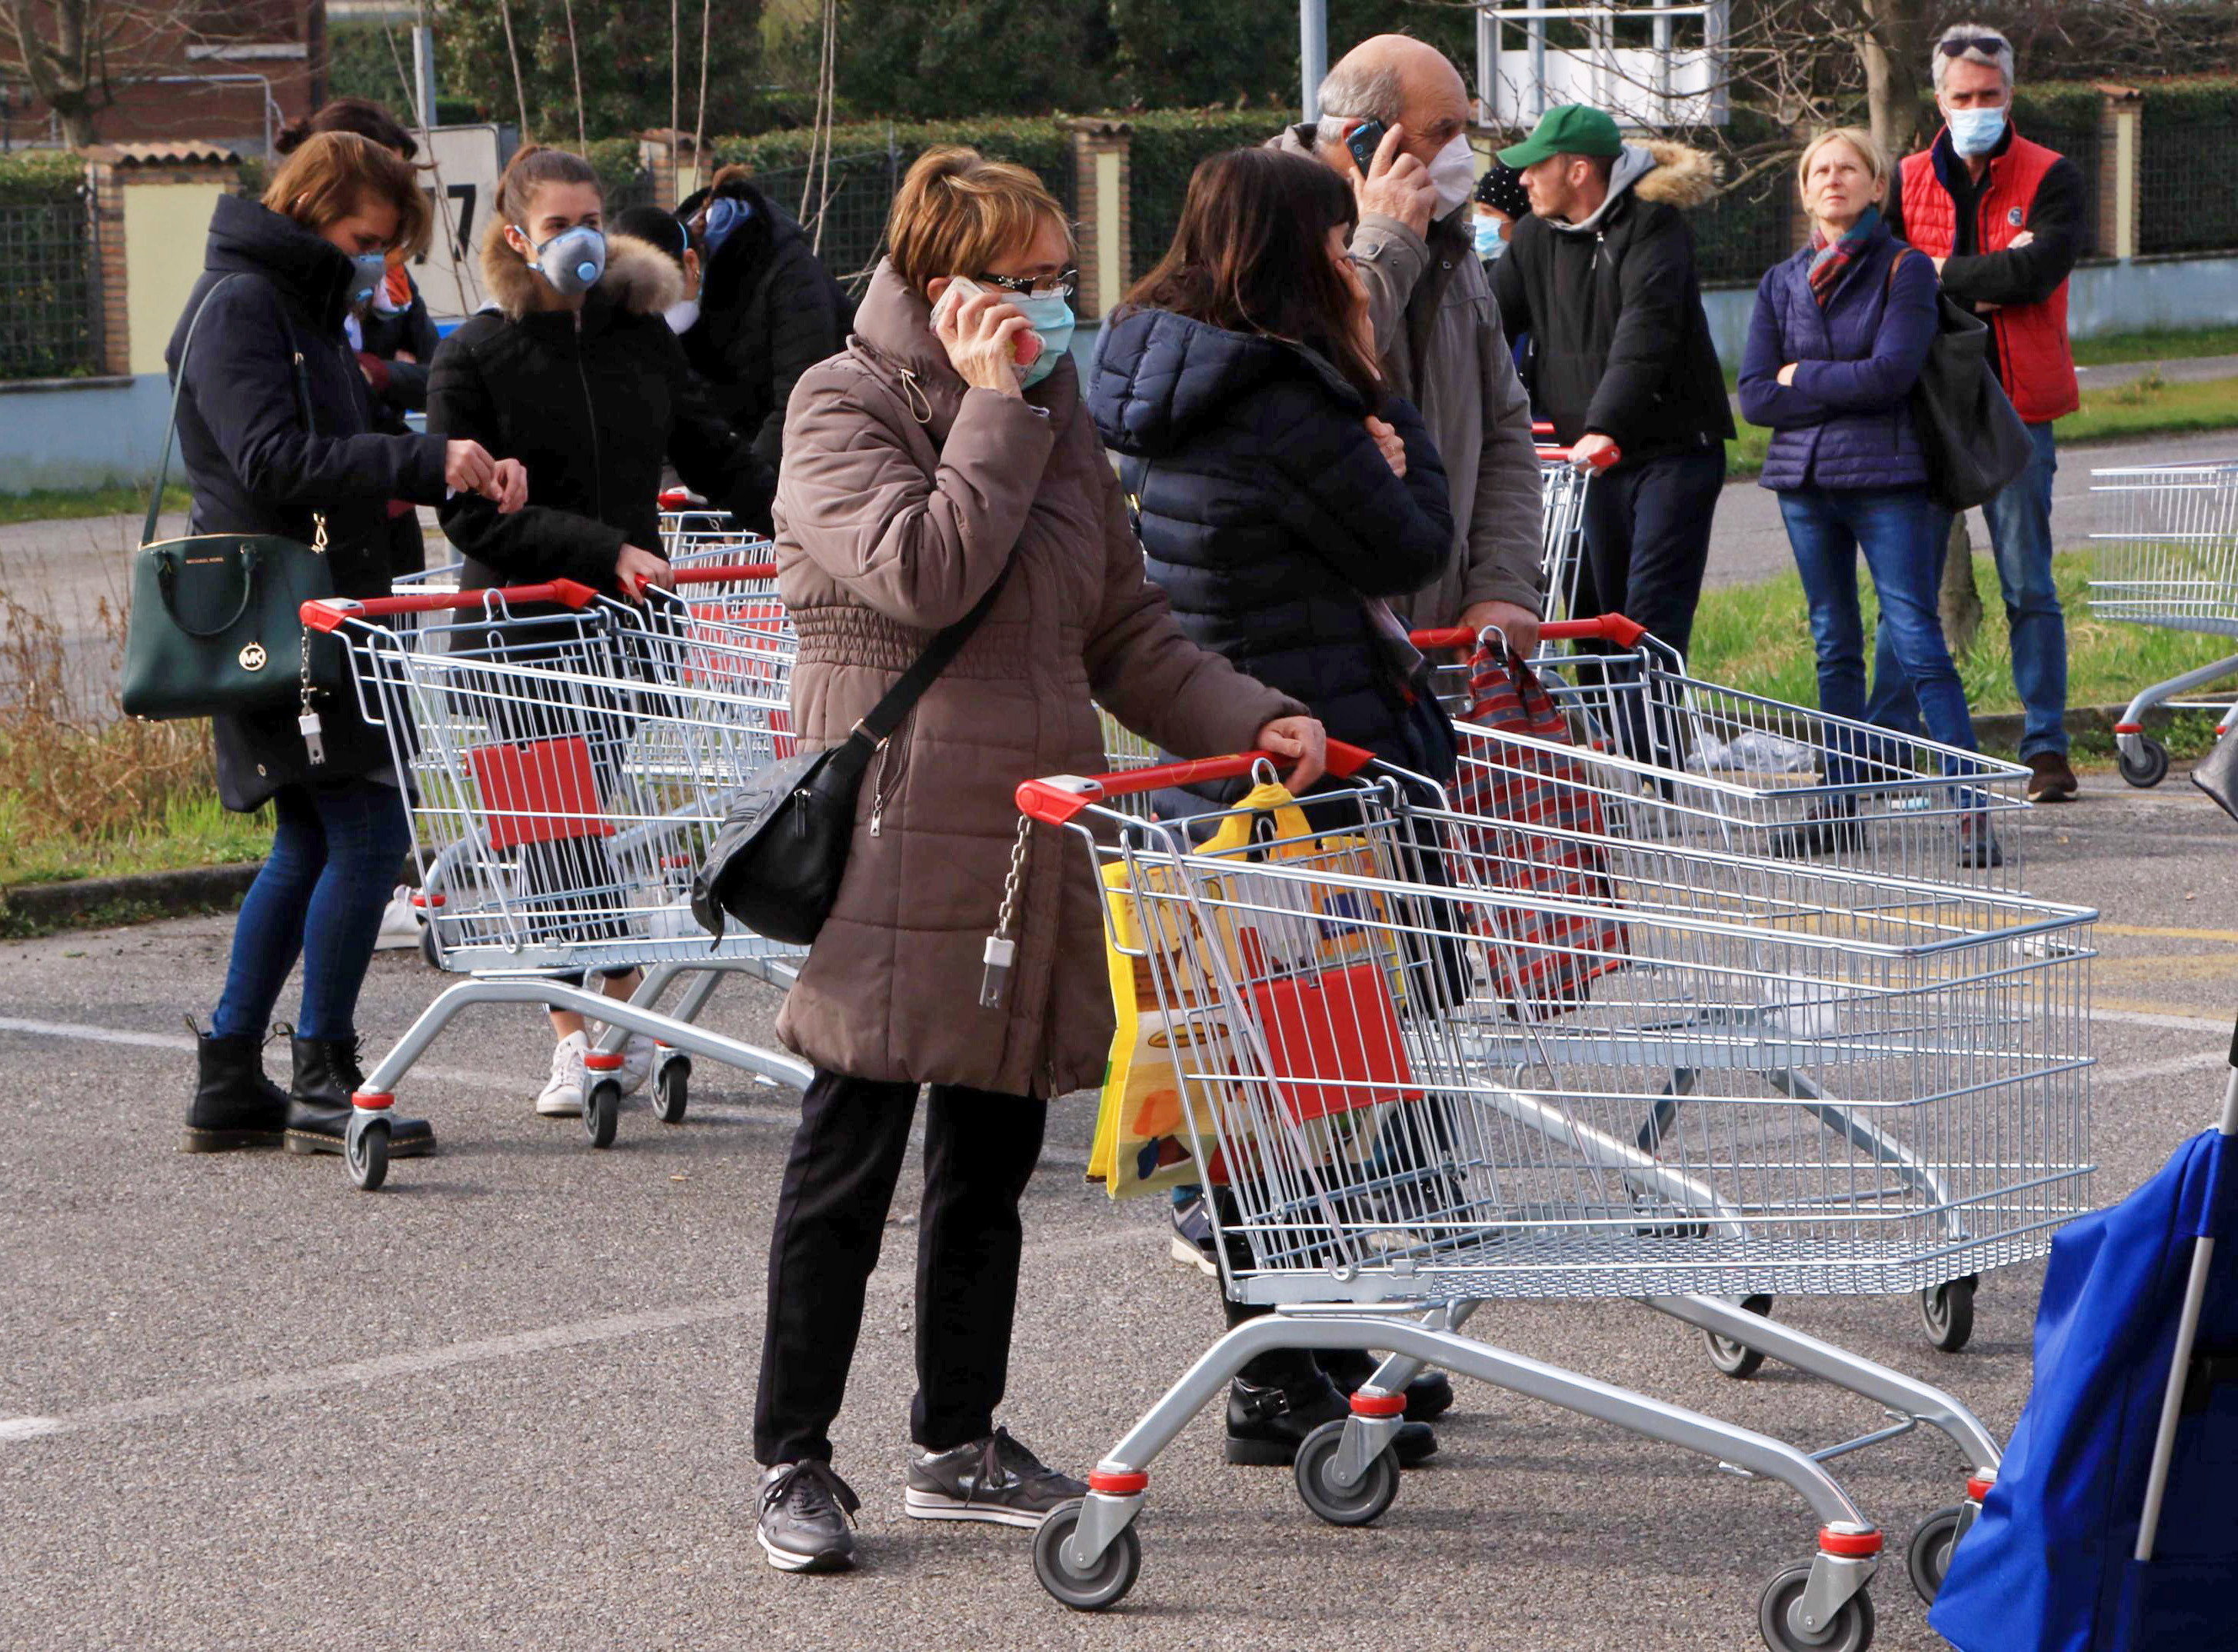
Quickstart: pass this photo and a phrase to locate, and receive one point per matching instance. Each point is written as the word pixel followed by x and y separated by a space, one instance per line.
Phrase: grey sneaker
pixel 803 1518
pixel 995 1479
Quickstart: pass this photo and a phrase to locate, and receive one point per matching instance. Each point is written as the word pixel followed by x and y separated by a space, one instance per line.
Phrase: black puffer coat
pixel 1271 520
pixel 590 400
pixel 768 312
pixel 255 468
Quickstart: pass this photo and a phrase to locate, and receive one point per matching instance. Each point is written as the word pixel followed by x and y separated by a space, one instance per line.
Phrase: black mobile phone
pixel 1362 144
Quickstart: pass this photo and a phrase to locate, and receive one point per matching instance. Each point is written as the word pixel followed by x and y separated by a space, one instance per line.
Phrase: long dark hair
pixel 1251 255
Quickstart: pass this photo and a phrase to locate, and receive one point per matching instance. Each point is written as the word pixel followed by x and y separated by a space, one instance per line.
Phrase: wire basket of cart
pixel 1419 1080
pixel 568 756
pixel 2165 552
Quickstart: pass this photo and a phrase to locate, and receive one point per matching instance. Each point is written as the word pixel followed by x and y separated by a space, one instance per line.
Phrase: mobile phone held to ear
pixel 1362 142
pixel 1025 349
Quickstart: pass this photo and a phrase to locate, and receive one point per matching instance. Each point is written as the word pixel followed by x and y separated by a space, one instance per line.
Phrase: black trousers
pixel 980 1149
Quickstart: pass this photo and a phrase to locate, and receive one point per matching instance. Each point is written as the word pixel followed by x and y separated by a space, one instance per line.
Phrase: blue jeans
pixel 1895 527
pixel 332 869
pixel 2020 530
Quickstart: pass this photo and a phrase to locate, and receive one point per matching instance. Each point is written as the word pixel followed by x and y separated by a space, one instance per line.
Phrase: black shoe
pixel 1266 1425
pixel 234 1104
pixel 318 1108
pixel 803 1523
pixel 1193 1243
pixel 1821 832
pixel 1431 1393
pixel 995 1479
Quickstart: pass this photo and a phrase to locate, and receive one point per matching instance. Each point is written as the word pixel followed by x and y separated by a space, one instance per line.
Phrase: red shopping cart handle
pixel 1542 426
pixel 678 498
pixel 1056 799
pixel 1551 454
pixel 1607 627
pixel 329 613
pixel 716 572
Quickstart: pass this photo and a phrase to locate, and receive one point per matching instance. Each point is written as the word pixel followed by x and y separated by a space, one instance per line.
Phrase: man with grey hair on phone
pixel 2002 219
pixel 1438 335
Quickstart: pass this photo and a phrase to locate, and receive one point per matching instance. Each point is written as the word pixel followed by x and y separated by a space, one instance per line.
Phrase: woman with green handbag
pixel 275 428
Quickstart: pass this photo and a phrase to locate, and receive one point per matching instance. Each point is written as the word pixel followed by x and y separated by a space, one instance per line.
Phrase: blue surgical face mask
pixel 1051 317
pixel 571 261
pixel 368 271
pixel 1489 245
pixel 1976 131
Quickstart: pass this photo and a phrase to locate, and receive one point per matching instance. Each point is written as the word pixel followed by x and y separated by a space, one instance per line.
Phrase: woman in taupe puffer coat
pixel 917 465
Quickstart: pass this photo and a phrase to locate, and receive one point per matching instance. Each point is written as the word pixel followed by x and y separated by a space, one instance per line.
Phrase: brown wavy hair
pixel 1251 255
pixel 956 211
pixel 331 174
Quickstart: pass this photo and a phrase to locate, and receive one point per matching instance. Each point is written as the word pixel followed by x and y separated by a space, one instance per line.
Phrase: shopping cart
pixel 1420 1082
pixel 1562 523
pixel 2167 555
pixel 568 756
pixel 1671 753
pixel 692 530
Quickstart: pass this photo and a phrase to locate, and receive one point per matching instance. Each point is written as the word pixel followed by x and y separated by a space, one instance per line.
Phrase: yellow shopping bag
pixel 1169 1008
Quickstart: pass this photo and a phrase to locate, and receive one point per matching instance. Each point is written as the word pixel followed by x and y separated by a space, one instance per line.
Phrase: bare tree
pixel 75 54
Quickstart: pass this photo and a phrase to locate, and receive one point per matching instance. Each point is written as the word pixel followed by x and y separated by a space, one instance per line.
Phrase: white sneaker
pixel 399 923
pixel 563 1096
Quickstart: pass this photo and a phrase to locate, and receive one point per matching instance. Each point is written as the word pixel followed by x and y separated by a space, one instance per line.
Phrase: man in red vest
pixel 2002 219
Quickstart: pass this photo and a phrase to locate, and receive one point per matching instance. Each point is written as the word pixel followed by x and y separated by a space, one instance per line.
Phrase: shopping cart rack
pixel 1421 1081
pixel 1715 766
pixel 568 756
pixel 2167 555
pixel 1562 530
pixel 691 531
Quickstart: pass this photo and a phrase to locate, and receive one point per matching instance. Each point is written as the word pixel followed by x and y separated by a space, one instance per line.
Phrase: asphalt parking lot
pixel 504 1401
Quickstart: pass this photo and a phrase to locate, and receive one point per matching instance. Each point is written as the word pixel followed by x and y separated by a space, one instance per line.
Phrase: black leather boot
pixel 1265 1425
pixel 234 1104
pixel 327 1075
pixel 1431 1393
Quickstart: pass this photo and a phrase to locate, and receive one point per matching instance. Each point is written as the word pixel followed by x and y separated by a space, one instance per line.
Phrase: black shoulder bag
pixel 776 862
pixel 1975 442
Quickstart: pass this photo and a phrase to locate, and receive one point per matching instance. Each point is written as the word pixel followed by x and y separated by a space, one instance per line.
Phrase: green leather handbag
pixel 213 627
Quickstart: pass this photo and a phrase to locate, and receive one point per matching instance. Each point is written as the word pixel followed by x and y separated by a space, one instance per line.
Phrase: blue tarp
pixel 2047 1566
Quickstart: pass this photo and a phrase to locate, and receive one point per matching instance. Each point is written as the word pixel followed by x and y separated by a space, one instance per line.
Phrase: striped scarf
pixel 1830 258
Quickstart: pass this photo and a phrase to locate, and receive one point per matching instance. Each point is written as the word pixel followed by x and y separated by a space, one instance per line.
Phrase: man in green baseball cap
pixel 1569 128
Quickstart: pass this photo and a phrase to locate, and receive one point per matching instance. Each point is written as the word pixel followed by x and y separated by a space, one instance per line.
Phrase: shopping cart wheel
pixel 1946 1310
pixel 1928 1558
pixel 1850 1631
pixel 600 1108
pixel 429 954
pixel 1102 1584
pixel 1735 1359
pixel 671 1089
pixel 2149 768
pixel 365 1151
pixel 1357 1504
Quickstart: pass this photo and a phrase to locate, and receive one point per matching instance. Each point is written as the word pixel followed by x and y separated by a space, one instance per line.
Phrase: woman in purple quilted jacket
pixel 1835 346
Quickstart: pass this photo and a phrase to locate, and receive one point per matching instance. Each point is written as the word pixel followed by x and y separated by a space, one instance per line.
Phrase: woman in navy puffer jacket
pixel 1835 345
pixel 1281 497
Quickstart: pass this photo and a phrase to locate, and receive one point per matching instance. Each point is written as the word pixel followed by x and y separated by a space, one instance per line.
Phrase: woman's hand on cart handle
pixel 636 568
pixel 1301 740
pixel 1595 451
pixel 1058 798
pixel 330 613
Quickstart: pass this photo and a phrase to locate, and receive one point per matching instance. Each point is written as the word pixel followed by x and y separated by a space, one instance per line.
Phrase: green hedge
pixel 2188 193
pixel 30 177
pixel 622 179
pixel 1166 148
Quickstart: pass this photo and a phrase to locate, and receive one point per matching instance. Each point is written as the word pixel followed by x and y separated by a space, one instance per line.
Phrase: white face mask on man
pixel 1452 174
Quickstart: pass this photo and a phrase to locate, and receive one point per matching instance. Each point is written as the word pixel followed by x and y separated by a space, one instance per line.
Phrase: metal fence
pixel 843 209
pixel 2187 182
pixel 51 324
pixel 2080 145
pixel 1744 230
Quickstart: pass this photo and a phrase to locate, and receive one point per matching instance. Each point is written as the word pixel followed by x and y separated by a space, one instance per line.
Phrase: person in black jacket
pixel 276 431
pixel 575 374
pixel 768 309
pixel 1601 276
pixel 390 329
pixel 1282 497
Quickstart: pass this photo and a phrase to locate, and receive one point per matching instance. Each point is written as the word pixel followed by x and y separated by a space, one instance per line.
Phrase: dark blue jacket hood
pixel 1160 378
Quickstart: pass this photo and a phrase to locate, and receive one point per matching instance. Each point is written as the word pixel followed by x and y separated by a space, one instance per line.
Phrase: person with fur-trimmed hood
pixel 1602 276
pixel 575 373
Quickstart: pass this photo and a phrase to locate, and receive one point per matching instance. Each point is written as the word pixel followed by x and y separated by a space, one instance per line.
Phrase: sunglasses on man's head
pixel 1965 44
